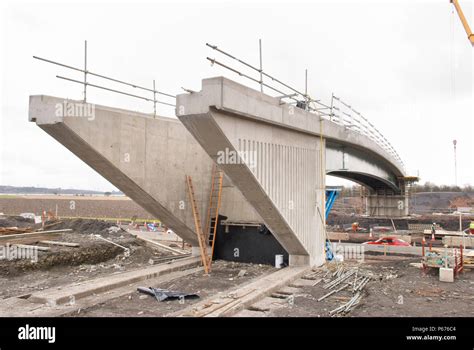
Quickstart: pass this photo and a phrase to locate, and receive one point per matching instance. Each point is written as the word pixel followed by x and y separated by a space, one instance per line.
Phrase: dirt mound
pixel 447 222
pixel 15 221
pixel 83 225
pixel 92 254
pixel 428 202
pixel 462 201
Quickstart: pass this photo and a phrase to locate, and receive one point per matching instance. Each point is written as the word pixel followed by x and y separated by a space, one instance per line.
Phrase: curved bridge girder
pixel 368 180
pixel 359 166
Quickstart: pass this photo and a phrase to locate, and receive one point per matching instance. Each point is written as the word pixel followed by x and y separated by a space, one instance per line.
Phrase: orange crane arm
pixel 470 36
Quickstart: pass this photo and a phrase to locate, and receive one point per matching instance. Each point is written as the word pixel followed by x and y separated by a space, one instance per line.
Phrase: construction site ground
pixel 396 288
pixel 401 290
pixel 63 265
pixel 224 277
pixel 337 221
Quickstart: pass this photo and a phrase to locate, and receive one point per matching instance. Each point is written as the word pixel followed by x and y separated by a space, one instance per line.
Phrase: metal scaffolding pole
pixel 85 71
pixel 154 99
pixel 261 67
pixel 102 76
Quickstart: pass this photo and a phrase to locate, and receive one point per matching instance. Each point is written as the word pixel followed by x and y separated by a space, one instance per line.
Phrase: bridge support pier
pixel 387 205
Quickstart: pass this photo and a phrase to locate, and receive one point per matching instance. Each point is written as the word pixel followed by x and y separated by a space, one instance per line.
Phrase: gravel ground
pixel 401 290
pixel 224 276
pixel 63 265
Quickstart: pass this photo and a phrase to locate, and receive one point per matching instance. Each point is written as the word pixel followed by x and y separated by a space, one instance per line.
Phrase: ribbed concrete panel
pixel 296 178
pixel 279 171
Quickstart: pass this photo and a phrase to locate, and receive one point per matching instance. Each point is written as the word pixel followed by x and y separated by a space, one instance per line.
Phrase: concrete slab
pixel 409 250
pixel 231 302
pixel 466 241
pixel 338 236
pixel 64 294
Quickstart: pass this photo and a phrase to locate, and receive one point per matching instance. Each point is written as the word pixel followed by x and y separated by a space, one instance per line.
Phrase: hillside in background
pixel 420 203
pixel 45 190
pixel 445 202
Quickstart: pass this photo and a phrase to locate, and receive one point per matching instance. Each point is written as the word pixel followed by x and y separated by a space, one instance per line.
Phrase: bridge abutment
pixel 275 157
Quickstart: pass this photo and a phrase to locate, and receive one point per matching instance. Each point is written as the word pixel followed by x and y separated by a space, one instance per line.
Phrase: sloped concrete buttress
pixel 147 158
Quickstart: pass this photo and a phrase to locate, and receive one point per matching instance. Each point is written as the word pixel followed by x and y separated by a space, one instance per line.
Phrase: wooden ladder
pixel 213 209
pixel 197 223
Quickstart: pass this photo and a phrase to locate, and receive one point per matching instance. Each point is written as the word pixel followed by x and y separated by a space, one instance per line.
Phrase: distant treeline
pixel 431 187
pixel 355 190
pixel 45 190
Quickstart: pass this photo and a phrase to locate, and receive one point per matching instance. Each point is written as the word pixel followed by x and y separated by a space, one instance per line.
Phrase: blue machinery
pixel 331 195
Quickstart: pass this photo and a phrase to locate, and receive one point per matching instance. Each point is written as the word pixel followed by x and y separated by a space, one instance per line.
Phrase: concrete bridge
pixel 275 157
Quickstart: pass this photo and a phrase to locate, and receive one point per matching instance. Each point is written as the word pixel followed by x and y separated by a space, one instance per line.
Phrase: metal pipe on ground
pixel 333 292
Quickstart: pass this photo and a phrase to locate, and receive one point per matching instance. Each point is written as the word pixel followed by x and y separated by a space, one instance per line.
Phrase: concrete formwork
pixel 147 158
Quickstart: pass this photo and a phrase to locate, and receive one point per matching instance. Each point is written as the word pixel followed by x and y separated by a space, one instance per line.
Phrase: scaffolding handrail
pixel 357 123
pixel 85 83
pixel 103 76
pixel 305 97
pixel 363 126
pixel 113 90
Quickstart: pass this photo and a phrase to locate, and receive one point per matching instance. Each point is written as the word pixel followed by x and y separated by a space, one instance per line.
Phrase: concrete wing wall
pixel 145 157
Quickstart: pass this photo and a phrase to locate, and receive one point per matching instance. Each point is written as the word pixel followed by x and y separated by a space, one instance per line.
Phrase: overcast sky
pixel 406 65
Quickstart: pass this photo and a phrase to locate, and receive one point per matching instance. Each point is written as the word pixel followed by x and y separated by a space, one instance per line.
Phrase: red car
pixel 389 241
